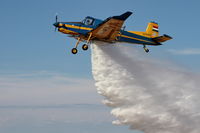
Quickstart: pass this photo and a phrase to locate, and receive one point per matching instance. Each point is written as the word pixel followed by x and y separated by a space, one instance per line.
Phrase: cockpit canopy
pixel 89 21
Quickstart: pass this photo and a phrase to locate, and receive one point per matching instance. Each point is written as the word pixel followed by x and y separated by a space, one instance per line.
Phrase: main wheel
pixel 85 47
pixel 74 50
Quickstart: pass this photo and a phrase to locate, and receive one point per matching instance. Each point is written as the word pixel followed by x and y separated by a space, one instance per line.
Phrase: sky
pixel 44 88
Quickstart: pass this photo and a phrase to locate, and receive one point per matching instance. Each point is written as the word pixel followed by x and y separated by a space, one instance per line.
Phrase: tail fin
pixel 152 29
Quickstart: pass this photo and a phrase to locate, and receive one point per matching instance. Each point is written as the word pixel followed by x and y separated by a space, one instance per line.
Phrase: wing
pixel 162 38
pixel 110 28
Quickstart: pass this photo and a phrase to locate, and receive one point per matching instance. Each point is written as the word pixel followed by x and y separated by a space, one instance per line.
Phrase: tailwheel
pixel 146 49
pixel 85 47
pixel 74 50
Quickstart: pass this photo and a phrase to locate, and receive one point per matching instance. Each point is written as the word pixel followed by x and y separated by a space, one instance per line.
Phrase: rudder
pixel 152 29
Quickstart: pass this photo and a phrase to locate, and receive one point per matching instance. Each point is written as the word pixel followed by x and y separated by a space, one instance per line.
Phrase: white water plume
pixel 144 93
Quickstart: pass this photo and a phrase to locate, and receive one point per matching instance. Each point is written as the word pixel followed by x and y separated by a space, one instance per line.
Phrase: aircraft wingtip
pixel 123 16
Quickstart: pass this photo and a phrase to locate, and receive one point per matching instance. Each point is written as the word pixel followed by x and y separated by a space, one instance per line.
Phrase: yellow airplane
pixel 110 30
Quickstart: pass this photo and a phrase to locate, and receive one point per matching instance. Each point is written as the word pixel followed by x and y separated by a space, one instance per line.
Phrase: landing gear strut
pixel 74 50
pixel 145 49
pixel 84 47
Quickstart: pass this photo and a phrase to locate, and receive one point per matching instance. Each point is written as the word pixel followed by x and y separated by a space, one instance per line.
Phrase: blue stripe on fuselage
pixel 77 29
pixel 81 31
pixel 134 38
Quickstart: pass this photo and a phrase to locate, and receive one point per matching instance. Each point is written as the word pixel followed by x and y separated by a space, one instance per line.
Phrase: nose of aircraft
pixel 56 24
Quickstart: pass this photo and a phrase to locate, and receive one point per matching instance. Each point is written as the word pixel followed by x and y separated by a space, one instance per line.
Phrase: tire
pixel 74 50
pixel 146 50
pixel 85 47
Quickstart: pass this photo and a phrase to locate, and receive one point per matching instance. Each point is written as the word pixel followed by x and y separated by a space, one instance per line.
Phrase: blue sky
pixel 36 63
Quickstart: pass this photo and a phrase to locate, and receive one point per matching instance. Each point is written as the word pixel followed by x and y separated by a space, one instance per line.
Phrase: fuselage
pixel 75 29
pixel 110 30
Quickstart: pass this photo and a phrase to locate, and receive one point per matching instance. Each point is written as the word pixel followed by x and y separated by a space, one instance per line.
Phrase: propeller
pixel 56 18
pixel 56 23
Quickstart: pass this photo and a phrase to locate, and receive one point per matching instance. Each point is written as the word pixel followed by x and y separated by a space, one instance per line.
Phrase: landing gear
pixel 74 50
pixel 85 47
pixel 145 49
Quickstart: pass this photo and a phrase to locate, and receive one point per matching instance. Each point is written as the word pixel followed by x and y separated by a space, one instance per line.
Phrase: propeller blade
pixel 56 21
pixel 56 18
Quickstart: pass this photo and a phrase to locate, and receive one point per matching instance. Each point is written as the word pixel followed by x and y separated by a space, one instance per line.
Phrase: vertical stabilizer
pixel 152 29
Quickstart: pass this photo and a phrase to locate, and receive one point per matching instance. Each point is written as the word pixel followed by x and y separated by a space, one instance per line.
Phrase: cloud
pixel 189 51
pixel 45 88
pixel 44 99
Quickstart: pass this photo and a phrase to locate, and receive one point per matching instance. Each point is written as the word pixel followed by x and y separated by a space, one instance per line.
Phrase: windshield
pixel 88 21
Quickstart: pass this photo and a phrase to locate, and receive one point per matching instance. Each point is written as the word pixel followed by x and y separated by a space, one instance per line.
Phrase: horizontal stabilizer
pixel 123 16
pixel 162 38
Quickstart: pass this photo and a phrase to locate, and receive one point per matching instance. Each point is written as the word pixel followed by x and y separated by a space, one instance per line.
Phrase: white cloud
pixel 189 51
pixel 44 99
pixel 43 88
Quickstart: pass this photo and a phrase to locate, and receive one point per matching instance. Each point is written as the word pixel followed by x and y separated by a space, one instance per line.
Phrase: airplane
pixel 110 30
